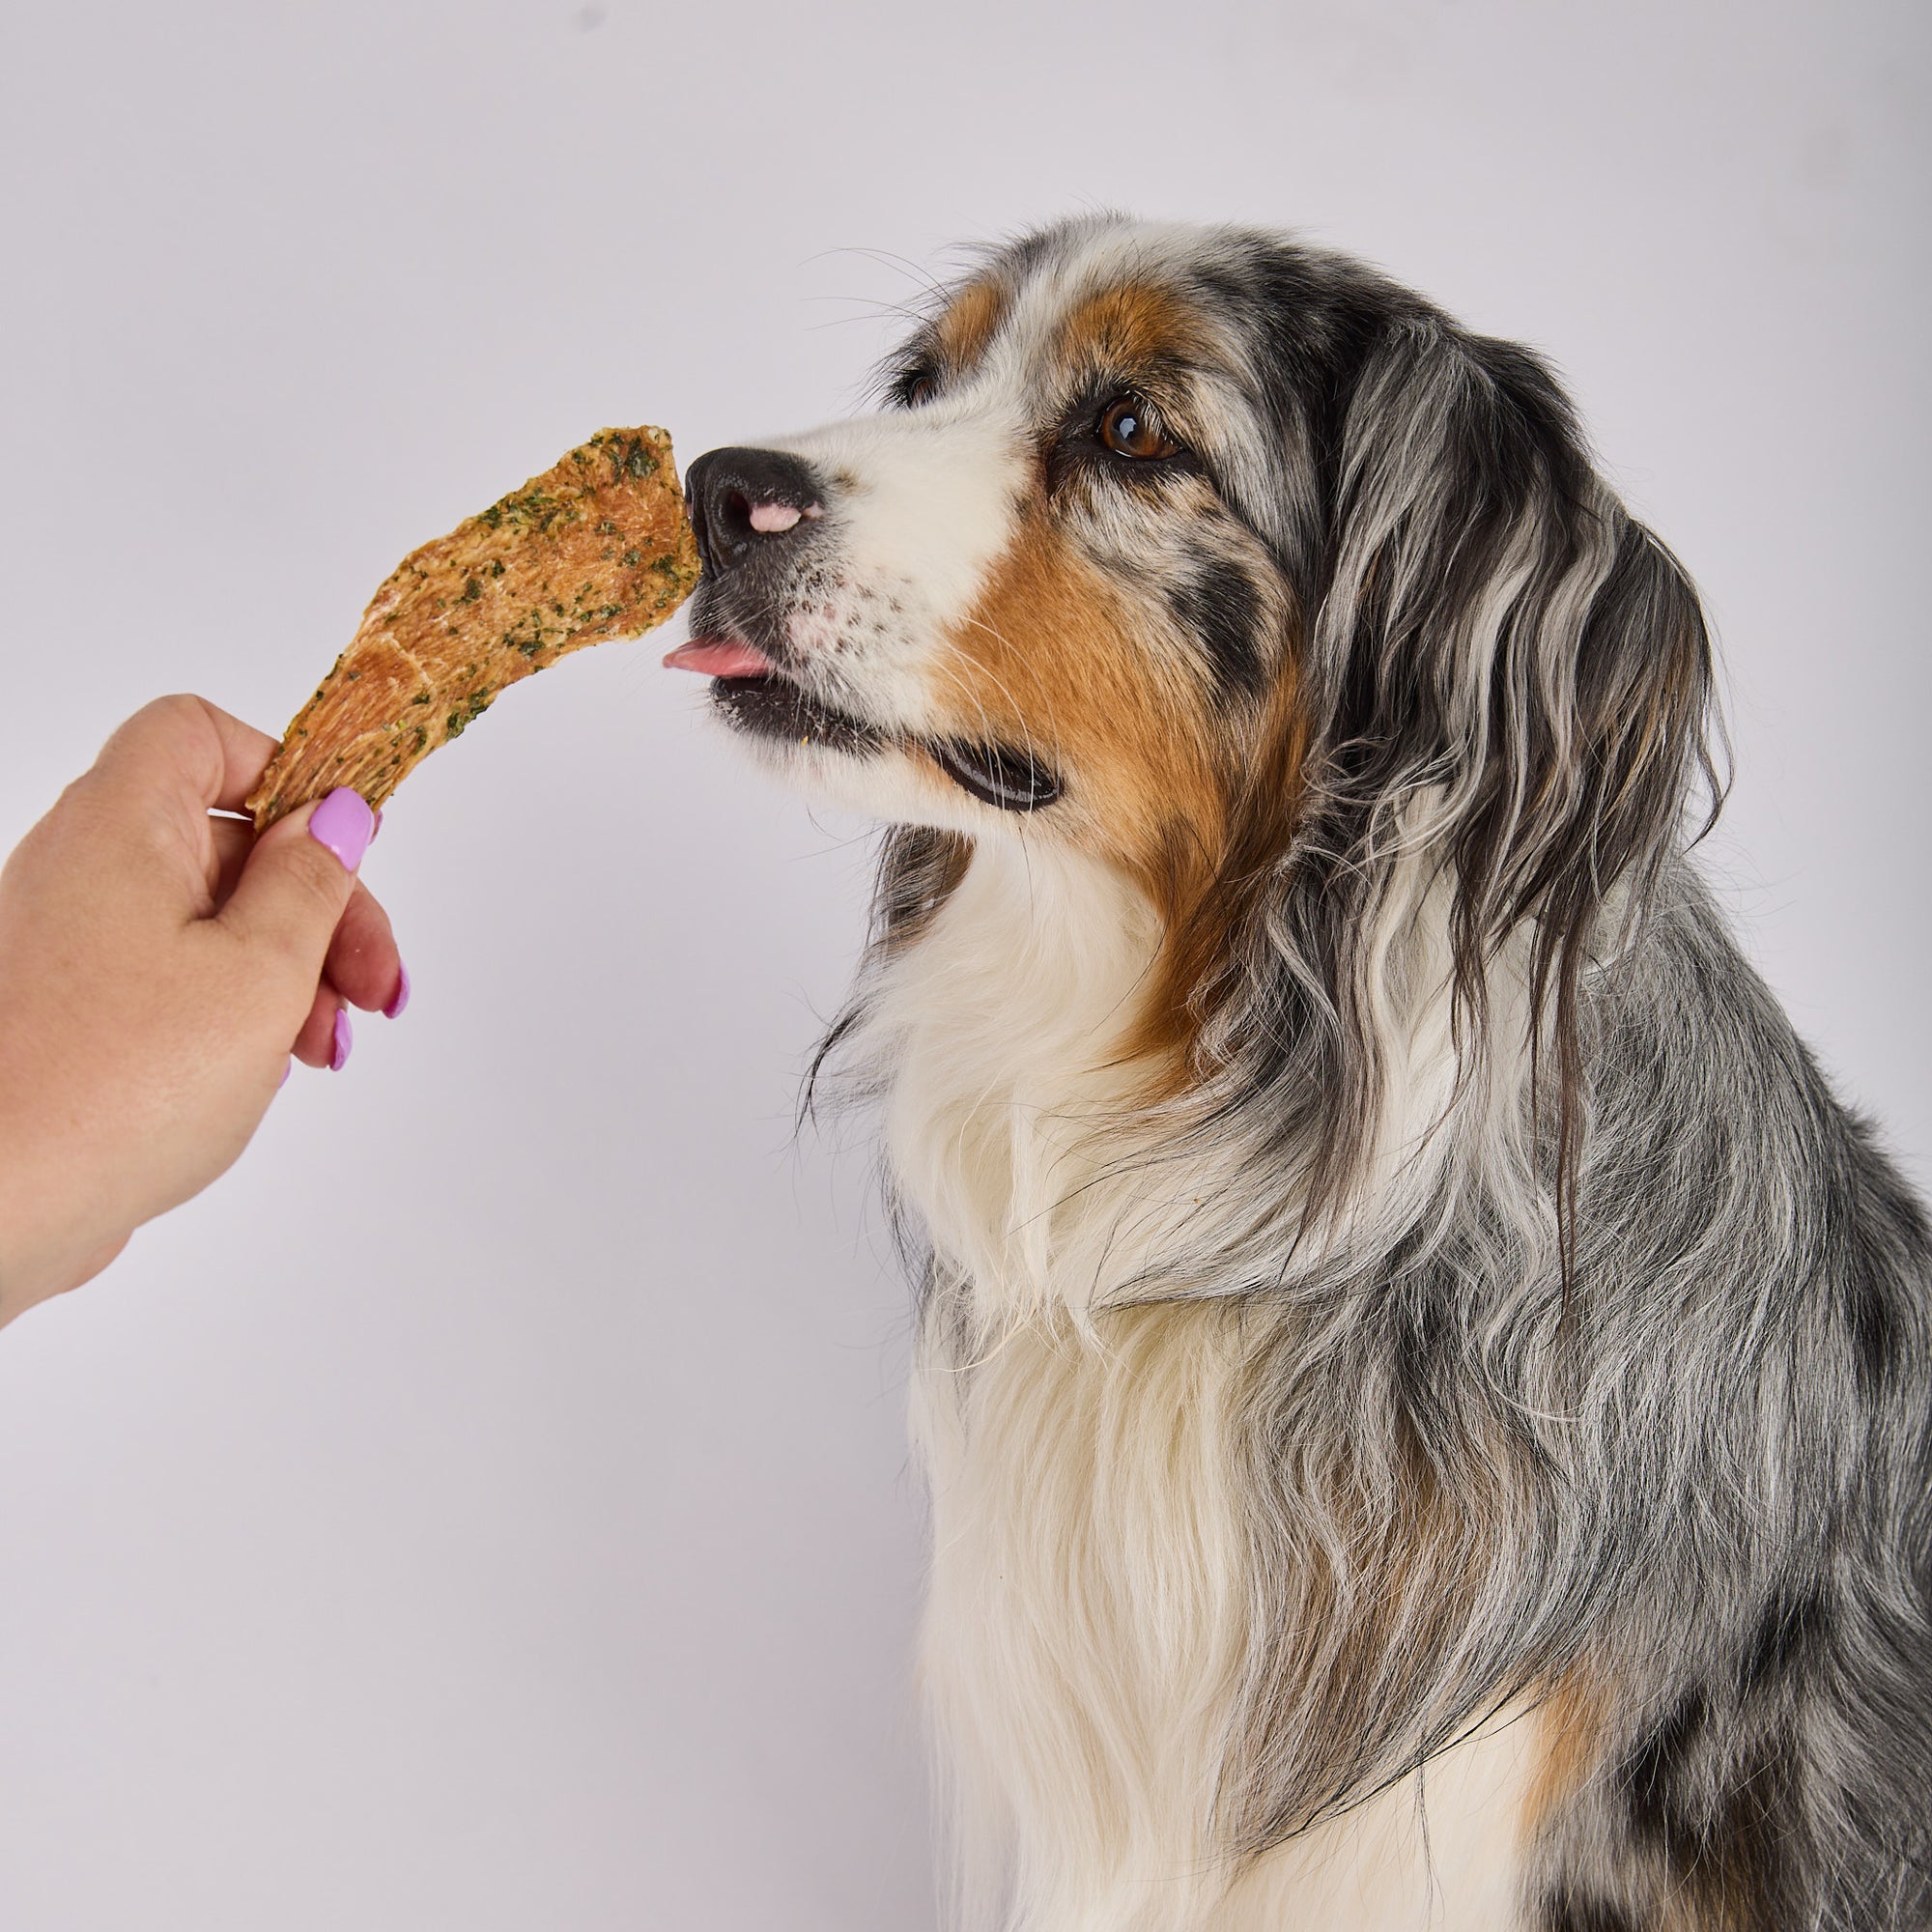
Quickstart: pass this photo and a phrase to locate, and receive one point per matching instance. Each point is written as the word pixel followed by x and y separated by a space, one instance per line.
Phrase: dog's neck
pixel 1010 1096
pixel 1017 1128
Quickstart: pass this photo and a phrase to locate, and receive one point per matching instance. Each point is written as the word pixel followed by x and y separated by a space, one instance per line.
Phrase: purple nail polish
pixel 345 824
pixel 342 1037
pixel 286 1071
pixel 401 997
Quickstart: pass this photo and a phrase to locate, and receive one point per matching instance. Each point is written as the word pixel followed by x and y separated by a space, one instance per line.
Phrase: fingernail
pixel 401 997
pixel 345 824
pixel 377 827
pixel 286 1071
pixel 342 1037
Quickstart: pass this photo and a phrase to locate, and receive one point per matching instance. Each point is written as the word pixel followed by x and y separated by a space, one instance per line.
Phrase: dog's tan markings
pixel 970 323
pixel 1047 661
pixel 1571 1742
pixel 1125 328
pixel 1206 898
pixel 1575 1737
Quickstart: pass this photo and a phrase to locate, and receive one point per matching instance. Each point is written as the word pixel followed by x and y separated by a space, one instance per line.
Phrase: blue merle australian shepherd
pixel 1427 1395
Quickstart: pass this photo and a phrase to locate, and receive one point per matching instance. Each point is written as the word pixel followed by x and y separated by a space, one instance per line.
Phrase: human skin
pixel 157 968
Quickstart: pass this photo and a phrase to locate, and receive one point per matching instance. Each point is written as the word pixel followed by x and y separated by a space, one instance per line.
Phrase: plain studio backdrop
pixel 488 1507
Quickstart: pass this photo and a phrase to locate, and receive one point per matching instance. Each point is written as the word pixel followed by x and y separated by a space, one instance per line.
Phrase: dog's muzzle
pixel 755 514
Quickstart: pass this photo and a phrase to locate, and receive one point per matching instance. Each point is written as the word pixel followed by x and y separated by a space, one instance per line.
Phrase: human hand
pixel 158 967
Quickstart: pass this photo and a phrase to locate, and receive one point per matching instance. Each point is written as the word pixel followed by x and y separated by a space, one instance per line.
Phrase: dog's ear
pixel 1513 675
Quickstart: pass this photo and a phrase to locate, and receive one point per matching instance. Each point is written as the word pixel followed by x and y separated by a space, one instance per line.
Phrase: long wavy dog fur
pixel 1426 1392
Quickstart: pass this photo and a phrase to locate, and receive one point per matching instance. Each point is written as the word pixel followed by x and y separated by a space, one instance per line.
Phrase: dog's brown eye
pixel 1129 427
pixel 916 387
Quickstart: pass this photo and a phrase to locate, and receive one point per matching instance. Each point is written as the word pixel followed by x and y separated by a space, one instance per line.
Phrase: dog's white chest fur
pixel 1087 1624
pixel 1084 1638
pixel 1003 1028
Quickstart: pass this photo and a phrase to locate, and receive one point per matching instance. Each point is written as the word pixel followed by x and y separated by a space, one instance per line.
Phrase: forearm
pixel 35 1267
pixel 51 1240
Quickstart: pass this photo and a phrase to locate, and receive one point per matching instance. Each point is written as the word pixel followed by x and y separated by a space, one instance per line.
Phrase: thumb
pixel 298 879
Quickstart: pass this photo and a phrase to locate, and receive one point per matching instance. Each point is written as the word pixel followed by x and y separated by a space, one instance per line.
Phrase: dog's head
pixel 1051 589
pixel 1243 571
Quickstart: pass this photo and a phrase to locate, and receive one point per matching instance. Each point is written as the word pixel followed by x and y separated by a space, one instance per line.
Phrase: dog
pixel 1426 1396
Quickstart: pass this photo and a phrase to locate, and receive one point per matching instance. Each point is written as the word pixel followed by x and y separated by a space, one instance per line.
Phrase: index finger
pixel 192 743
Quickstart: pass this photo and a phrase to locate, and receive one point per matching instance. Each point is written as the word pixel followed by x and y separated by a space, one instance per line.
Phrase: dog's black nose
pixel 743 498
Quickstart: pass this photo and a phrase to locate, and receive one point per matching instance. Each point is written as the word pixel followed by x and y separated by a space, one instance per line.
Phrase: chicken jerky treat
pixel 597 547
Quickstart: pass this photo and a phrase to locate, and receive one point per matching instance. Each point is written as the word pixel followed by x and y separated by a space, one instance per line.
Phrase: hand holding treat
pixel 597 547
pixel 157 962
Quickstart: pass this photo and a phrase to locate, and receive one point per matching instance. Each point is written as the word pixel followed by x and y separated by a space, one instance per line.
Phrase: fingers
pixel 296 902
pixel 363 969
pixel 186 742
pixel 291 896
pixel 244 756
pixel 297 884
pixel 325 1034
pixel 230 842
pixel 363 963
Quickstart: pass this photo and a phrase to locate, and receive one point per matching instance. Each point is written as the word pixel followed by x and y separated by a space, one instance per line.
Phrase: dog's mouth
pixel 757 697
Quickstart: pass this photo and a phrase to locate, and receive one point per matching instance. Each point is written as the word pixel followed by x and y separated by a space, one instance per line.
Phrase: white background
pixel 488 1507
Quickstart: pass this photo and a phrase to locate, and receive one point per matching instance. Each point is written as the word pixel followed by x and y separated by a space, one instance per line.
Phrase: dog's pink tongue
pixel 717 657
